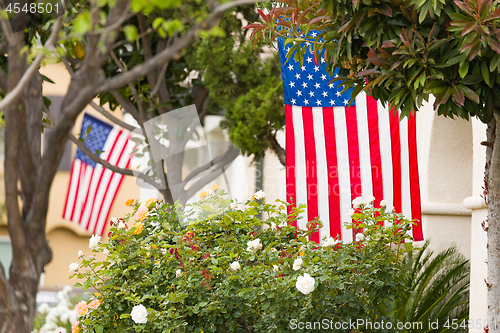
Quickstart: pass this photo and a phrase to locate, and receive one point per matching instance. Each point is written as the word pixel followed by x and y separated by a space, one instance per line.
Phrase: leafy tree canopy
pixel 402 50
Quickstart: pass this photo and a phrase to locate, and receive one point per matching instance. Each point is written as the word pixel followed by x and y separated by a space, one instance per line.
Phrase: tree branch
pixel 126 104
pixel 33 68
pixel 169 53
pixel 115 120
pixel 207 166
pixel 280 152
pixel 107 165
pixel 212 175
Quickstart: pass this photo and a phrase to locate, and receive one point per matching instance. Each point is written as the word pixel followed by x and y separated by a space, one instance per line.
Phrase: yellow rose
pixel 129 202
pixel 215 187
pixel 75 328
pixel 151 203
pixel 138 228
pixel 203 194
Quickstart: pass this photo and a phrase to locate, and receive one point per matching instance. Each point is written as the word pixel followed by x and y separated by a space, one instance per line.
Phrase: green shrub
pixel 222 269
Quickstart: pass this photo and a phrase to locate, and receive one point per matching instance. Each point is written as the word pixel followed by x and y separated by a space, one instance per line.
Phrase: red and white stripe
pixel 92 191
pixel 335 154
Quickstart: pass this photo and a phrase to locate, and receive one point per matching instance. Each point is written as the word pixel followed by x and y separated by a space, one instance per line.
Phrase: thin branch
pixel 126 104
pixel 33 68
pixel 5 28
pixel 67 65
pixel 115 120
pixel 49 114
pixel 142 113
pixel 125 41
pixel 280 152
pixel 212 175
pixel 105 30
pixel 107 165
pixel 208 165
pixel 3 47
pixel 169 53
pixel 3 82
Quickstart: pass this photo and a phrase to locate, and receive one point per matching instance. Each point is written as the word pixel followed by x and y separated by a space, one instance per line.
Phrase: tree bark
pixel 492 184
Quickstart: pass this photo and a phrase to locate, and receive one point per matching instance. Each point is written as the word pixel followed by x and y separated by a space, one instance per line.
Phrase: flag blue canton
pixel 95 140
pixel 309 84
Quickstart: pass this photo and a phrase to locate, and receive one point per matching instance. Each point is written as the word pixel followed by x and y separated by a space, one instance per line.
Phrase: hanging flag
pixel 336 152
pixel 93 188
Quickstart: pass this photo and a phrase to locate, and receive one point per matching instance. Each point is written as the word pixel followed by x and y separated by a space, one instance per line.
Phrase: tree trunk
pixel 492 184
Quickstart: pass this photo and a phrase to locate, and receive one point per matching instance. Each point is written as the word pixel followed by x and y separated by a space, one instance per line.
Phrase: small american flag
pixel 336 152
pixel 93 188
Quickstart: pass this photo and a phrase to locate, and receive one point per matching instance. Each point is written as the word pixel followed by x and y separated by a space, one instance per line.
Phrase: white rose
pixel 73 266
pixel 80 254
pixel 43 308
pixel 392 209
pixel 178 273
pixel 305 284
pixel 235 266
pixel 254 246
pixel 114 220
pixel 275 268
pixel 139 314
pixel 356 203
pixel 330 241
pixel 372 199
pixel 297 264
pixel 351 212
pixel 259 195
pixel 383 203
pixel 359 237
pixel 94 241
pixel 121 225
pixel 106 252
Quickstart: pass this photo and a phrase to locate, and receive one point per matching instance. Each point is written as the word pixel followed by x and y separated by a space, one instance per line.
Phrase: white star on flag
pixel 297 76
pixel 309 59
pixel 310 77
pixel 311 93
pixel 304 85
pixel 318 102
pixel 290 67
pixel 317 85
pixel 325 94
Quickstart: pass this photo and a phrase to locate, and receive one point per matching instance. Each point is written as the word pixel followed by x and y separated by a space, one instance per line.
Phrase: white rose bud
pixel 73 266
pixel 329 242
pixel 178 273
pixel 259 195
pixel 383 203
pixel 305 284
pixel 359 237
pixel 297 264
pixel 275 268
pixel 80 254
pixel 94 241
pixel 235 266
pixel 356 203
pixel 121 225
pixel 139 314
pixel 351 212
pixel 254 246
pixel 106 252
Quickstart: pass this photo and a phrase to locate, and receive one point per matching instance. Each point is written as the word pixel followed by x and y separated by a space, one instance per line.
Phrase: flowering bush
pixel 214 268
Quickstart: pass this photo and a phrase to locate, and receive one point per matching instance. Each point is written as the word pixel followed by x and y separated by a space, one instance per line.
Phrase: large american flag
pixel 336 152
pixel 92 188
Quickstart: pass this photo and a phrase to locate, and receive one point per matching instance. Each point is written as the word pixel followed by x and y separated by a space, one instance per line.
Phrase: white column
pixel 479 269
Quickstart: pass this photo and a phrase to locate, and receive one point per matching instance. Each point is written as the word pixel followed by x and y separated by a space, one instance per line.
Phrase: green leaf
pixel 470 94
pixel 463 68
pixel 98 329
pixel 82 23
pixel 131 32
pixel 485 73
